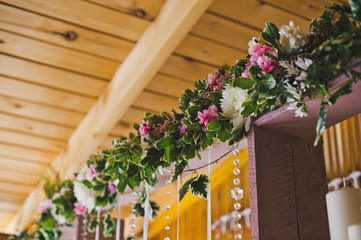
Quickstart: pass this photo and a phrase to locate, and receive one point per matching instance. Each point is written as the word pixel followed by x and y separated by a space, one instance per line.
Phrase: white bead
pixel 237 237
pixel 237 206
pixel 133 210
pixel 166 228
pixel 236 181
pixel 237 216
pixel 132 234
pixel 167 218
pixel 168 193
pixel 236 171
pixel 236 161
pixel 167 182
pixel 133 218
pixel 134 202
pixel 235 152
pixel 135 194
pixel 166 238
pixel 132 226
pixel 237 227
pixel 167 207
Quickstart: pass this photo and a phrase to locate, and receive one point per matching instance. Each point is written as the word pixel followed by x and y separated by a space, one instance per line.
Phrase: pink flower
pixel 182 128
pixel 45 205
pixel 92 172
pixel 143 129
pixel 257 51
pixel 111 188
pixel 79 209
pixel 215 82
pixel 207 116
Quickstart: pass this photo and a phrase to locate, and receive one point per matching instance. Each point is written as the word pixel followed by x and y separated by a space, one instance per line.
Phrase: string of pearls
pixel 84 233
pixel 132 220
pixel 167 208
pixel 237 195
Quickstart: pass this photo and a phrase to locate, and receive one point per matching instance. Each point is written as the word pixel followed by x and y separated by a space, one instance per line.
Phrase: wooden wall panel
pixel 27 153
pixel 88 15
pixel 22 165
pixel 51 30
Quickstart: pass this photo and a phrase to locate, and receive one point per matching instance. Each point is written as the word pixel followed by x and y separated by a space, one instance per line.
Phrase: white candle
pixel 354 232
pixel 343 207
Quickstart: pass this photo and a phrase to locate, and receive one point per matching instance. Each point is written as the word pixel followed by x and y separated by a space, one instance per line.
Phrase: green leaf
pixel 356 9
pixel 223 135
pixel 271 34
pixel 108 226
pixel 243 83
pixel 101 201
pixel 122 184
pixel 214 126
pixel 178 170
pixel 194 126
pixel 163 142
pixel 320 127
pixel 189 152
pixel 206 142
pixel 93 224
pixel 339 93
pixel 199 186
pixel 185 188
pixel 87 183
pixel 270 82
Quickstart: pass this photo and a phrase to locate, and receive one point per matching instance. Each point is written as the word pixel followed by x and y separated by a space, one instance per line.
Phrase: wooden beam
pixel 158 42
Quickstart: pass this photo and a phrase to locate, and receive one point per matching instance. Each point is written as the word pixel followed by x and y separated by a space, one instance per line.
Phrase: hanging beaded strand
pixel 237 195
pixel 167 208
pixel 132 220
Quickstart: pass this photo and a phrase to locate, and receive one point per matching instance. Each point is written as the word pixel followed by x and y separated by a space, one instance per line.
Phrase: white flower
pixel 231 104
pixel 290 37
pixel 59 218
pixel 84 195
pixel 292 105
pixel 295 93
pixel 303 63
pixel 289 66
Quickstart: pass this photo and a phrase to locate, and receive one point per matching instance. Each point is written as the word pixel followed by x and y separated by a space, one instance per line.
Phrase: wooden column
pixel 288 187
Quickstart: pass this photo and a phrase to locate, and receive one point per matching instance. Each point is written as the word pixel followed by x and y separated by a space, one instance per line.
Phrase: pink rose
pixel 143 129
pixel 215 82
pixel 45 205
pixel 182 128
pixel 79 209
pixel 207 116
pixel 92 172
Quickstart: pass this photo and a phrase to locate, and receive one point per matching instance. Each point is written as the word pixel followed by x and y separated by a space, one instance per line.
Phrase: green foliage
pixel 108 226
pixel 198 187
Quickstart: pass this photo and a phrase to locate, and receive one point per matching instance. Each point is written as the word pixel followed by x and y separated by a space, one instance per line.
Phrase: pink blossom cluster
pixel 257 52
pixel 45 205
pixel 215 82
pixel 92 172
pixel 207 116
pixel 182 127
pixel 143 129
pixel 79 209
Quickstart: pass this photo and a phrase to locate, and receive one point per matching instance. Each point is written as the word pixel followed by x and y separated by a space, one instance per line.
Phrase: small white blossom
pixel 303 63
pixel 290 37
pixel 85 196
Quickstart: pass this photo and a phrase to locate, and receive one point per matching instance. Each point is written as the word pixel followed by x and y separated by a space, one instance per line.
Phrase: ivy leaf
pixel 101 201
pixel 163 142
pixel 356 9
pixel 199 186
pixel 185 188
pixel 178 170
pixel 194 126
pixel 342 91
pixel 270 82
pixel 93 224
pixel 189 152
pixel 87 183
pixel 320 127
pixel 122 184
pixel 271 34
pixel 108 226
pixel 243 83
pixel 214 126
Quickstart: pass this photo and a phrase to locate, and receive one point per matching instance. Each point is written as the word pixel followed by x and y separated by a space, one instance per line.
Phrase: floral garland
pixel 287 67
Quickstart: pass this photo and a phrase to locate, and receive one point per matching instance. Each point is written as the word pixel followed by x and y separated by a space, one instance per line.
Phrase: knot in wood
pixel 140 13
pixel 68 35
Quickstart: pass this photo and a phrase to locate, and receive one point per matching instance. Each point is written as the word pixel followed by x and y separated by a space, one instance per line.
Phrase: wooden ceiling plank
pixel 187 68
pixel 26 153
pixel 57 56
pixel 60 79
pixel 121 129
pixel 20 190
pixel 39 112
pixel 156 102
pixel 15 138
pixel 208 51
pixel 88 15
pixel 23 165
pixel 307 8
pixel 133 115
pixel 34 127
pixel 154 47
pixel 9 207
pixel 224 31
pixel 255 13
pixel 50 30
pixel 5 197
pixel 9 174
pixel 143 9
pixel 168 85
pixel 44 95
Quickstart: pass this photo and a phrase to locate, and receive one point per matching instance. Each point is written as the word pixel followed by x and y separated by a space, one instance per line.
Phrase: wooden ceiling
pixel 58 57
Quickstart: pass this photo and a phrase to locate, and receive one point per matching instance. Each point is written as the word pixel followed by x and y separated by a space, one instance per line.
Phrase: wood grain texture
pixel 44 95
pixel 143 9
pixel 22 165
pixel 288 187
pixel 88 15
pixel 153 48
pixel 60 79
pixel 26 153
pixel 51 30
pixel 57 56
pixel 169 86
pixel 35 128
